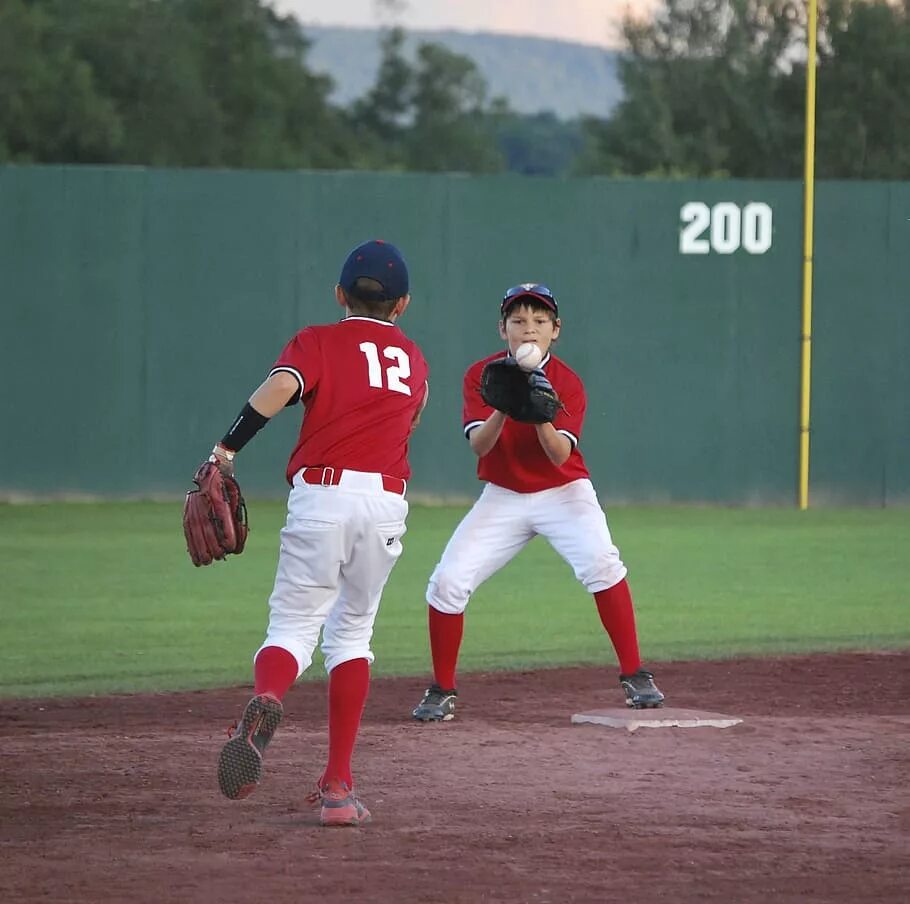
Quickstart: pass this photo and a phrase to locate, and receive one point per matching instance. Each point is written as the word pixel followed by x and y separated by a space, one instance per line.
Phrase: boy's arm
pixel 274 393
pixel 559 437
pixel 556 446
pixel 484 437
pixel 214 515
pixel 483 424
pixel 423 404
pixel 271 396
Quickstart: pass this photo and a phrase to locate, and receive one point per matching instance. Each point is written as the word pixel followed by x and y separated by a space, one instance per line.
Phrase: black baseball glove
pixel 523 396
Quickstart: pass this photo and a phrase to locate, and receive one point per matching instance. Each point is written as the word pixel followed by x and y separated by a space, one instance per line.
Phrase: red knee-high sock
pixel 275 670
pixel 349 684
pixel 446 632
pixel 614 605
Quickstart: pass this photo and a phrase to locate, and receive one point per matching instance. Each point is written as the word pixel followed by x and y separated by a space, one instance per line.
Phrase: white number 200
pixel 728 226
pixel 394 373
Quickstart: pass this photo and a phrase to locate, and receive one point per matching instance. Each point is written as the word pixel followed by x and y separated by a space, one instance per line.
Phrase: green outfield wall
pixel 139 308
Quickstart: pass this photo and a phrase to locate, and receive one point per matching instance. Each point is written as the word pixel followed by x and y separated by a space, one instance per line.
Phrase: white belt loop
pixel 328 477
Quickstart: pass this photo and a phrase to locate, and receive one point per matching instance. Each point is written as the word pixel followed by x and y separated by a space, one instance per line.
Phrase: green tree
pixel 143 56
pixel 717 87
pixel 449 130
pixel 705 93
pixel 224 83
pixel 381 118
pixel 51 108
pixel 163 82
pixel 538 144
pixel 275 112
pixel 864 91
pixel 428 114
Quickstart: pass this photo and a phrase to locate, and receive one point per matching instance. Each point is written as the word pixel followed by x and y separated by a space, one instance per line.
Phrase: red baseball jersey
pixel 518 461
pixel 362 383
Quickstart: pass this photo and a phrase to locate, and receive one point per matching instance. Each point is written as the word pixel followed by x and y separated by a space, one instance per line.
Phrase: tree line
pixel 711 88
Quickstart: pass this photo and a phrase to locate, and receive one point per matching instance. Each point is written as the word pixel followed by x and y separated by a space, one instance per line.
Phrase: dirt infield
pixel 115 799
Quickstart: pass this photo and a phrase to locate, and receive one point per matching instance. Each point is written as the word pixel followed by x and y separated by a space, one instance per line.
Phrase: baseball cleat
pixel 240 761
pixel 438 705
pixel 340 806
pixel 641 691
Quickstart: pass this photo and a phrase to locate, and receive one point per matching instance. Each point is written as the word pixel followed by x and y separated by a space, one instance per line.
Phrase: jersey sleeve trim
pixel 294 399
pixel 471 425
pixel 570 437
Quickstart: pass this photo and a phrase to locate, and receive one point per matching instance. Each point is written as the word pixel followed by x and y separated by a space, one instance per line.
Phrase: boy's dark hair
pixel 367 297
pixel 536 296
pixel 528 301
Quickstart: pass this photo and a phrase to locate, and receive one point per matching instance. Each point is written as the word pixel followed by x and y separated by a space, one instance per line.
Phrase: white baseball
pixel 528 355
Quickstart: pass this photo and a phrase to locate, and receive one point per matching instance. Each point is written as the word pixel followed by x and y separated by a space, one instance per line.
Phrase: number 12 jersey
pixel 362 383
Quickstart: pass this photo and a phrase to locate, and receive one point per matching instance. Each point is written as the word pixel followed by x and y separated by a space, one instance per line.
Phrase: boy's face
pixel 524 323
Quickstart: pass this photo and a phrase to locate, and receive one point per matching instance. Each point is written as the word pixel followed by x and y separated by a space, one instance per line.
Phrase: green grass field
pixel 102 598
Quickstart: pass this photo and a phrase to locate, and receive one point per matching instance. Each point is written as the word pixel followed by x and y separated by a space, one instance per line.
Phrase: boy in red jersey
pixel 363 385
pixel 536 483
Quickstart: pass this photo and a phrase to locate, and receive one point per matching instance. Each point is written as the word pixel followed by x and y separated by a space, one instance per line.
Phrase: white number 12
pixel 394 373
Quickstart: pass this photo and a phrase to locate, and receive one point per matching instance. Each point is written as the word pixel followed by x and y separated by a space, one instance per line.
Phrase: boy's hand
pixel 537 379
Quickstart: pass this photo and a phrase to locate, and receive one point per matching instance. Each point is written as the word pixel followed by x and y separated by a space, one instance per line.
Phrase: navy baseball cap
pixel 380 261
pixel 530 290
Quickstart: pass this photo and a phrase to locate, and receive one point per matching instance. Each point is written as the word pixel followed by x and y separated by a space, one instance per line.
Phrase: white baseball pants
pixel 502 522
pixel 338 548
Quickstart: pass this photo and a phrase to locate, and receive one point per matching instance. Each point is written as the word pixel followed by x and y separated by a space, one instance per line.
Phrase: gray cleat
pixel 240 761
pixel 438 705
pixel 641 691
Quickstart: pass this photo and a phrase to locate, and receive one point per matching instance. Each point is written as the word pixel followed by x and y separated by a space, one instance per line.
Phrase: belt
pixel 332 477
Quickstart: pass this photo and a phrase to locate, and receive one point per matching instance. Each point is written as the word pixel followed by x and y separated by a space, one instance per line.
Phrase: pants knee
pixel 604 574
pixel 335 657
pixel 298 650
pixel 447 594
pixel 341 642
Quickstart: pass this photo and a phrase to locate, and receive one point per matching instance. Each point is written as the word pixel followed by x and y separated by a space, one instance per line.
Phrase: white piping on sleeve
pixel 293 372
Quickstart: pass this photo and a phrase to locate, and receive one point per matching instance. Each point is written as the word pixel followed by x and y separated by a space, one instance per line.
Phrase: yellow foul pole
pixel 808 223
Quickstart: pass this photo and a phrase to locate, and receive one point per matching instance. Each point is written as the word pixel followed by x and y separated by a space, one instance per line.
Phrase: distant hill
pixel 533 74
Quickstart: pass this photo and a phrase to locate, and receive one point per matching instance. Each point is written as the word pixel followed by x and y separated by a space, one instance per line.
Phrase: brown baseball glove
pixel 214 516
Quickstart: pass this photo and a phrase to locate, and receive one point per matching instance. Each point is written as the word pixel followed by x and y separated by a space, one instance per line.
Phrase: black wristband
pixel 249 422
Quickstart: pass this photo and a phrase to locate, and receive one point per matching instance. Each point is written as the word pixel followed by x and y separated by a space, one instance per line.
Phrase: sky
pixel 582 21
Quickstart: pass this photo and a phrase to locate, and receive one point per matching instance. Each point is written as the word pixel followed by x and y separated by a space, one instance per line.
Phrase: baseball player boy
pixel 363 385
pixel 536 483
